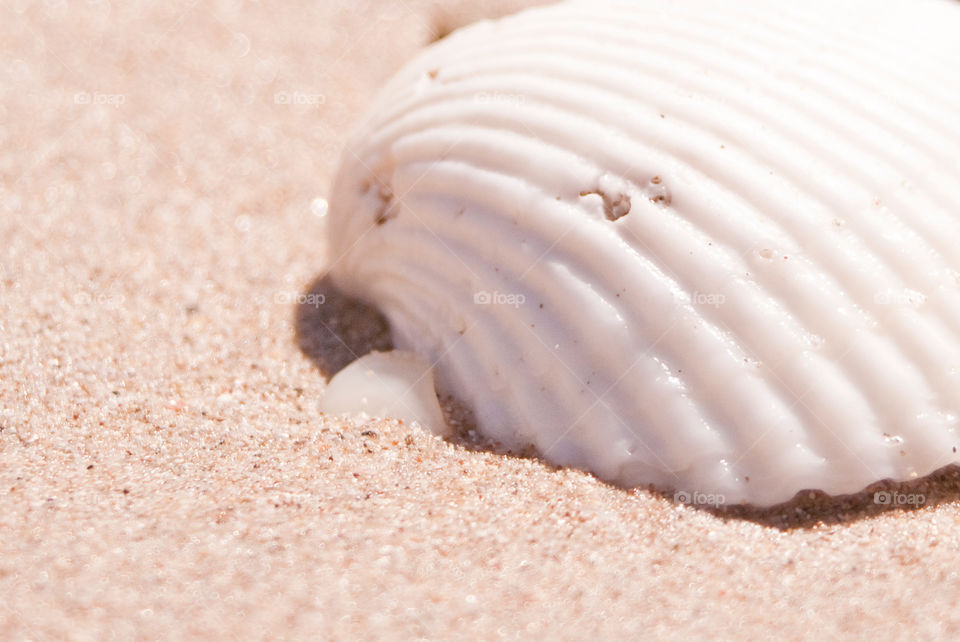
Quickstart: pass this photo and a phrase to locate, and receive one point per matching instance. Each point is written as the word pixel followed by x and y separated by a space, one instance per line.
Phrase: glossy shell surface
pixel 710 246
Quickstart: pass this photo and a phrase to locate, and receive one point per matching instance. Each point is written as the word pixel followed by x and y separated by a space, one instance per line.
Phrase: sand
pixel 164 469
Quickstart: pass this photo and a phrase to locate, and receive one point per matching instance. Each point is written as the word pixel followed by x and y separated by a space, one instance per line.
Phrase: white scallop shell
pixel 712 246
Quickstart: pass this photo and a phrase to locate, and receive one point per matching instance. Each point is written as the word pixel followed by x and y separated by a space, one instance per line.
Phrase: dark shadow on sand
pixel 816 509
pixel 333 330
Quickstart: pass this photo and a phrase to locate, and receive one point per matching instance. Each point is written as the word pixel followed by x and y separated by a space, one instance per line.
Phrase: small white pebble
pixel 318 207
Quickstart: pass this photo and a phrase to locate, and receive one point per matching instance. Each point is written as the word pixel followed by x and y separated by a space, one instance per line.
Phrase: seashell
pixel 708 246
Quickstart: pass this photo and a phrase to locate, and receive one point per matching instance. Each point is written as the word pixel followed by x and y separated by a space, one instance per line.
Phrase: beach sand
pixel 164 469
